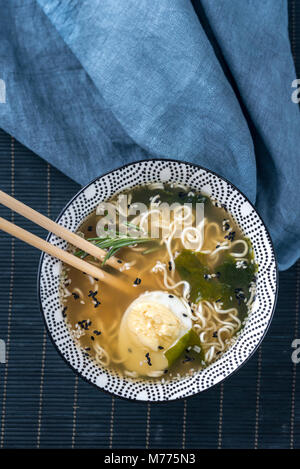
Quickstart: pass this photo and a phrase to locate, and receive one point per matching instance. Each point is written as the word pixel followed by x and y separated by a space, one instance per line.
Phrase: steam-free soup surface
pixel 188 301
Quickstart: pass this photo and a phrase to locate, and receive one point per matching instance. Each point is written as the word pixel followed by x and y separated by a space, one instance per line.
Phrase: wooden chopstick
pixel 64 256
pixel 57 229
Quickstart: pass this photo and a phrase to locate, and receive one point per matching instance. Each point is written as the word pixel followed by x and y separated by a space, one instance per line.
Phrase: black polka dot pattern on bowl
pixel 255 328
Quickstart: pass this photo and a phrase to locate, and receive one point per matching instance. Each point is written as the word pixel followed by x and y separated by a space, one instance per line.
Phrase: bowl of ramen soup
pixel 192 291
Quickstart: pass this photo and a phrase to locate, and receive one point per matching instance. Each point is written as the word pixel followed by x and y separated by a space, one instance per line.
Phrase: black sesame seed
pixel 90 228
pixel 92 294
pixel 84 324
pixel 160 347
pixel 97 332
pixel 148 359
pixel 137 281
pixel 76 296
pixel 230 236
pixel 92 338
pixel 239 295
pixel 187 358
pixel 171 296
pixel 119 261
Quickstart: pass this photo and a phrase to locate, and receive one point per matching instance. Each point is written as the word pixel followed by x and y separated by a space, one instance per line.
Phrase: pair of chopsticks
pixel 63 233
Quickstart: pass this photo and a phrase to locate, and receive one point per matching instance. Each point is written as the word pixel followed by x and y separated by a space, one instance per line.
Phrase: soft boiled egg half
pixel 154 330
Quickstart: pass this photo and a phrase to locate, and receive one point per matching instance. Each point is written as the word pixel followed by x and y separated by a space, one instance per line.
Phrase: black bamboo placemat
pixel 43 404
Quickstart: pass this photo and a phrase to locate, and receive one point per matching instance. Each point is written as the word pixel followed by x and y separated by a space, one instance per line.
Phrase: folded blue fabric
pixel 94 84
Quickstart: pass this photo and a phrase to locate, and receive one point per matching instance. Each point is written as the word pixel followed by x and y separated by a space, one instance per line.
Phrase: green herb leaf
pixel 113 245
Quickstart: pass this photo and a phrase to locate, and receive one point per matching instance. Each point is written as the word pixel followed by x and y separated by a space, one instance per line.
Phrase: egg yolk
pixel 153 325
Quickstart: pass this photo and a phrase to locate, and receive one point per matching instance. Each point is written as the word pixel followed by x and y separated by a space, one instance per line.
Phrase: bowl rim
pixel 252 353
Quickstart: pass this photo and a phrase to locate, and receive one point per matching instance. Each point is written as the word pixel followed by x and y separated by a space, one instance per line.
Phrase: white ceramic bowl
pixel 252 225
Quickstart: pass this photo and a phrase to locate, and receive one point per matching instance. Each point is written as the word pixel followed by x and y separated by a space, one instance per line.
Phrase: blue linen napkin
pixel 94 84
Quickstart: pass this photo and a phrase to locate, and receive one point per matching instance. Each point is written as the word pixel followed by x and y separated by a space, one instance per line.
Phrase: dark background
pixel 43 404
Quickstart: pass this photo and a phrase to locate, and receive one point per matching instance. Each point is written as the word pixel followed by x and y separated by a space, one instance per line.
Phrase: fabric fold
pixel 159 75
pixel 92 85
